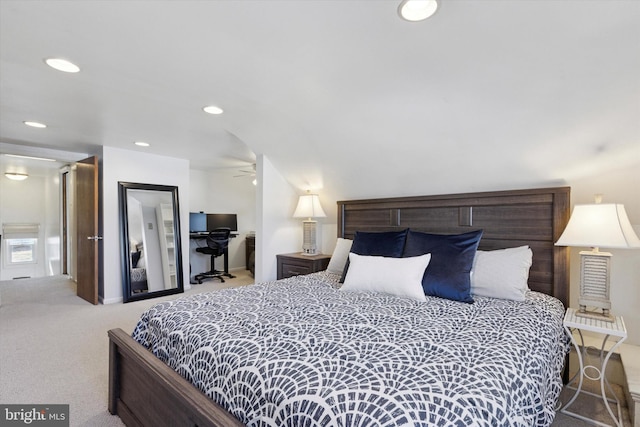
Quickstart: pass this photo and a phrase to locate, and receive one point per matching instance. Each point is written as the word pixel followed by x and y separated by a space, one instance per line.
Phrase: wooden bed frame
pixel 145 391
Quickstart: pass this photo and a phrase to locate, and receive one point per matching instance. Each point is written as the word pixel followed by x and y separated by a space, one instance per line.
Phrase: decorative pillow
pixel 340 256
pixel 384 243
pixel 502 273
pixel 135 257
pixel 451 260
pixel 396 276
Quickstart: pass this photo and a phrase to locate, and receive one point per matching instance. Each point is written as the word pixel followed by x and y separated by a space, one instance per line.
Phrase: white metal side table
pixel 615 329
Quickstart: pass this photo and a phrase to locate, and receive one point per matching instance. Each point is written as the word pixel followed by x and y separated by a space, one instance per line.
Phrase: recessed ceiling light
pixel 417 10
pixel 34 124
pixel 141 144
pixel 62 65
pixel 212 109
pixel 19 156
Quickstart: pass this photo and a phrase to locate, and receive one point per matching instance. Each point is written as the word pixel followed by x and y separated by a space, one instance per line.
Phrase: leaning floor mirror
pixel 150 241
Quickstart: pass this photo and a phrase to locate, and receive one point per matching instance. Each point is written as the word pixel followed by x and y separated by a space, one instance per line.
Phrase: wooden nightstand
pixel 615 329
pixel 296 264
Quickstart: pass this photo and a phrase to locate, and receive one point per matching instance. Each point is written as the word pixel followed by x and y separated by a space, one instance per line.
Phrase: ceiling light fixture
pixel 141 144
pixel 35 124
pixel 417 10
pixel 14 176
pixel 19 156
pixel 212 109
pixel 62 65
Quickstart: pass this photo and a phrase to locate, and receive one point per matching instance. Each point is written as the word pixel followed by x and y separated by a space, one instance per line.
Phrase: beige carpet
pixel 54 345
pixel 591 407
pixel 54 349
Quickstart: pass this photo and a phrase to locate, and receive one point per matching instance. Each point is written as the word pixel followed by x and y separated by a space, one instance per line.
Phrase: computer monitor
pixel 197 222
pixel 222 220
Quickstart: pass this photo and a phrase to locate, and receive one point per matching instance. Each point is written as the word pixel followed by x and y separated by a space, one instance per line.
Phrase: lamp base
pixel 314 253
pixel 309 238
pixel 603 316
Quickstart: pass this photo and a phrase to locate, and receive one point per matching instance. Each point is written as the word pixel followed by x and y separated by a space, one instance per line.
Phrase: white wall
pixel 220 192
pixel 52 237
pixel 276 230
pixel 72 242
pixel 34 200
pixel 134 166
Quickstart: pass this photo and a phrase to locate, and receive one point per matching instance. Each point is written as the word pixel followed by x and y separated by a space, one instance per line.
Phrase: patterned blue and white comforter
pixel 299 352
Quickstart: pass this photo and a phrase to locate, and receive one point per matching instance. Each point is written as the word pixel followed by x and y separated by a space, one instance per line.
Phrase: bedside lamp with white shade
pixel 599 225
pixel 309 207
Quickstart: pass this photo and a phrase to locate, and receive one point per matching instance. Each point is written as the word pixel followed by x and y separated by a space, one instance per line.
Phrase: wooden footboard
pixel 143 391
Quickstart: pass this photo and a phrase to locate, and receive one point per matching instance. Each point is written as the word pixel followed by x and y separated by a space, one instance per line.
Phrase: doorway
pixel 64 226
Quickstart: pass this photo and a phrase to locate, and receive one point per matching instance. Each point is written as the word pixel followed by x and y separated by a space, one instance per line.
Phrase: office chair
pixel 217 244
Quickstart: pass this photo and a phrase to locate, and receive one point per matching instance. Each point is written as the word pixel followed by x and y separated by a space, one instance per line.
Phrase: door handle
pixel 94 238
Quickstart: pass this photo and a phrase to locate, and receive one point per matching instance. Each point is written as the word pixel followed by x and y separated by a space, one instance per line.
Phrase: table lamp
pixel 597 226
pixel 309 207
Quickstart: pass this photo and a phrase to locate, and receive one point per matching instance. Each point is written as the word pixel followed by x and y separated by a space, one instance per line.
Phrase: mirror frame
pixel 125 249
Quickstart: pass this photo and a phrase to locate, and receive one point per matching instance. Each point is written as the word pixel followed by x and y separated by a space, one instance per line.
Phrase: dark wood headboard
pixel 534 217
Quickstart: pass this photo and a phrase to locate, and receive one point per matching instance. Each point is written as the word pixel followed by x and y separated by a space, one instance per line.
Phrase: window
pixel 20 244
pixel 22 251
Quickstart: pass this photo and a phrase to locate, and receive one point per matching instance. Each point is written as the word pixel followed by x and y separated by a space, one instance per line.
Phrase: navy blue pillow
pixel 447 275
pixel 383 243
pixel 135 257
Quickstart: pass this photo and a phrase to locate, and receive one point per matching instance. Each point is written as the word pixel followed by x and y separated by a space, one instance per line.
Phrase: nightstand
pixel 614 329
pixel 296 264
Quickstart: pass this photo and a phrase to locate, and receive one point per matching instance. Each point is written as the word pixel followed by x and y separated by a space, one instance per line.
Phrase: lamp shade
pixel 599 225
pixel 309 207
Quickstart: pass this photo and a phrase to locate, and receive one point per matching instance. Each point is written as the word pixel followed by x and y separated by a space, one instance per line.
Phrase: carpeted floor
pixel 54 345
pixel 590 406
pixel 54 349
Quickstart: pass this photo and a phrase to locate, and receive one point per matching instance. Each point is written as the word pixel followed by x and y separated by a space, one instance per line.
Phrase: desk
pixel 609 329
pixel 202 236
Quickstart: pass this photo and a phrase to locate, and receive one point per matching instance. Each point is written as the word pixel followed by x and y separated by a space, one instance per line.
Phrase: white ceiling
pixel 341 95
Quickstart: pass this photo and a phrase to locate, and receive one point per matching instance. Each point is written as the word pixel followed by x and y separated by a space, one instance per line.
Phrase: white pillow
pixel 339 256
pixel 502 273
pixel 396 276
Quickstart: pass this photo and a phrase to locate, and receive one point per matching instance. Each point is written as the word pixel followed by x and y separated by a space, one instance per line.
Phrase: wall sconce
pixel 14 176
pixel 309 207
pixel 597 226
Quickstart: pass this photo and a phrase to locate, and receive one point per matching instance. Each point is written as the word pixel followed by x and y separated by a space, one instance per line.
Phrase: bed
pixel 334 357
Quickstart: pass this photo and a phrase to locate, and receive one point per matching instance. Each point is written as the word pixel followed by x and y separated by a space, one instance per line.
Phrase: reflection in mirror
pixel 150 241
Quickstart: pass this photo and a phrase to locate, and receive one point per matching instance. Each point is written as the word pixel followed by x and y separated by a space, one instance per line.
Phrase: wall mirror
pixel 150 241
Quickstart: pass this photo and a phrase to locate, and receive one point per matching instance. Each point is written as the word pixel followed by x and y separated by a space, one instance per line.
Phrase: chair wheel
pixel 221 280
pixel 200 282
